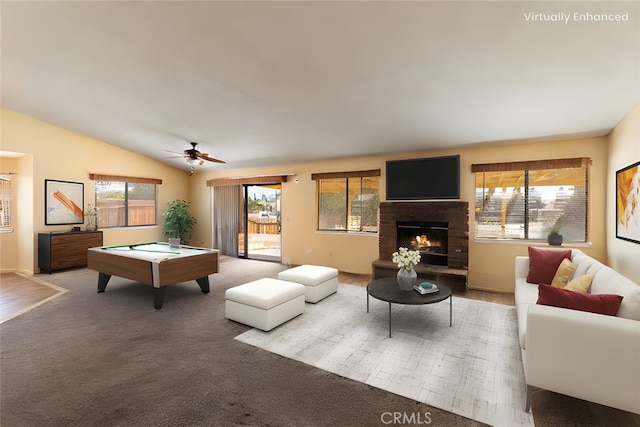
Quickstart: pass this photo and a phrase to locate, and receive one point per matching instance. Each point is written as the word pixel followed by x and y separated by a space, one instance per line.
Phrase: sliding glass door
pixel 260 236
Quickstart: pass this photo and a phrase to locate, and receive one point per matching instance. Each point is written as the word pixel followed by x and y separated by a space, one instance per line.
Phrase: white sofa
pixel 589 356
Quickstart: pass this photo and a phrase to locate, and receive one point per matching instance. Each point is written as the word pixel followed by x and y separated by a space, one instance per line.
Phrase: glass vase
pixel 407 279
pixel 91 224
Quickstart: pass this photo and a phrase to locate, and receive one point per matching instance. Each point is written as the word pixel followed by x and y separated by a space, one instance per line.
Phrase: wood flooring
pixel 20 293
pixel 494 297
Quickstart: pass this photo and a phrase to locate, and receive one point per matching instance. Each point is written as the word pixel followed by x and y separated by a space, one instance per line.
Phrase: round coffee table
pixel 387 289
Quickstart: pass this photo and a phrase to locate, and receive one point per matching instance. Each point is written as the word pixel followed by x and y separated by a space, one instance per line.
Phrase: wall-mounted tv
pixel 424 179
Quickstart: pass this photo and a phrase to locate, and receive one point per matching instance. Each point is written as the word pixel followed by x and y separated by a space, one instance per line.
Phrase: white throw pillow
pixel 608 281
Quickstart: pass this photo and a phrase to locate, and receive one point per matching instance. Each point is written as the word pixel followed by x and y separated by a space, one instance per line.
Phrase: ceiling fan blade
pixel 173 152
pixel 195 157
pixel 205 156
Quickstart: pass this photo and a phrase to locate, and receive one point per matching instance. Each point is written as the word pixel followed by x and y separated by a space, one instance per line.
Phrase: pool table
pixel 155 264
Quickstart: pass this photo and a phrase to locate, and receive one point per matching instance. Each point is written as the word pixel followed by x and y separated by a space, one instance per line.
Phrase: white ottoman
pixel 319 282
pixel 264 303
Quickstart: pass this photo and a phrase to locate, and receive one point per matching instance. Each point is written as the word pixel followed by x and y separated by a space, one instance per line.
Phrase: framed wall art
pixel 63 202
pixel 628 203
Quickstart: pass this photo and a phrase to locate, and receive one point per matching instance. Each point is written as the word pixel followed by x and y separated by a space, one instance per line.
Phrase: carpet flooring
pixel 111 359
pixel 473 368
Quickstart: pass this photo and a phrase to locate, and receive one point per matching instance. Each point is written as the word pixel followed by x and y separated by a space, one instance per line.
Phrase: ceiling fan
pixel 195 157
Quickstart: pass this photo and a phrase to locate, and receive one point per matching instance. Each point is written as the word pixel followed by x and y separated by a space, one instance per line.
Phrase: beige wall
pixel 10 249
pixel 624 150
pixel 16 252
pixel 55 153
pixel 301 243
pixel 491 265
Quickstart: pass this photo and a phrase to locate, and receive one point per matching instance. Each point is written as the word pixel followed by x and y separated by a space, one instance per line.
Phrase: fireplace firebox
pixel 429 238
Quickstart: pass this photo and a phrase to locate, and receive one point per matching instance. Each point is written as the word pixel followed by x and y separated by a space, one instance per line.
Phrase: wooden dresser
pixel 57 251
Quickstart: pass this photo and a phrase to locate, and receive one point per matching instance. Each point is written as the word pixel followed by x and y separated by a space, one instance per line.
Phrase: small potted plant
pixel 554 237
pixel 178 222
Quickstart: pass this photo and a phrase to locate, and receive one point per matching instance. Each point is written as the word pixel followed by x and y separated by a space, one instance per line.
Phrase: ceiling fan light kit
pixel 195 162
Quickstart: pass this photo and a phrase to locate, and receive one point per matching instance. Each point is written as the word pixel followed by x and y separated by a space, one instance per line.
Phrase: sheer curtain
pixel 226 210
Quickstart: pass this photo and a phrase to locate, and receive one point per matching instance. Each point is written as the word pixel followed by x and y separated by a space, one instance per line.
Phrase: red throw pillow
pixel 594 303
pixel 543 263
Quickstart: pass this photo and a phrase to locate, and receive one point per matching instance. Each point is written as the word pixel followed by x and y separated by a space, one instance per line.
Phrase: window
pixel 5 203
pixel 522 200
pixel 348 201
pixel 125 201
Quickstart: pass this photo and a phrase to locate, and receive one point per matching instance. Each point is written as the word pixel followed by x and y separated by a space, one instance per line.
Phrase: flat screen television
pixel 424 179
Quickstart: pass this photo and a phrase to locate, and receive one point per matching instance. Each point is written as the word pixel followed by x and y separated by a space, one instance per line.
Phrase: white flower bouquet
pixel 406 259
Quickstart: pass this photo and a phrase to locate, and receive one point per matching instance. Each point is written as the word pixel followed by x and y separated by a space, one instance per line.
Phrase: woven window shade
pixel 249 180
pixel 353 174
pixel 577 162
pixel 118 178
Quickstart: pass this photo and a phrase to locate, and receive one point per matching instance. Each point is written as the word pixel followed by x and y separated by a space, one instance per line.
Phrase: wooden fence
pixel 263 226
pixel 143 212
pixel 111 213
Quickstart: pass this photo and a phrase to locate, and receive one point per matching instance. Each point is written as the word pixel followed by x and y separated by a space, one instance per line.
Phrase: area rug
pixel 111 359
pixel 472 368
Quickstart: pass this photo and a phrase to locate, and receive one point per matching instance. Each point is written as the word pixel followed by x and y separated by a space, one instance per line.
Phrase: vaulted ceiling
pixel 264 83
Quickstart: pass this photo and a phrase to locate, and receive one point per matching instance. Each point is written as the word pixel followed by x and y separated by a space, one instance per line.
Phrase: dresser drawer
pixel 57 251
pixel 80 239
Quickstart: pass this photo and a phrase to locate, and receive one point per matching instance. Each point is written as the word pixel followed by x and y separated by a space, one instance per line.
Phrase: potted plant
pixel 178 222
pixel 554 237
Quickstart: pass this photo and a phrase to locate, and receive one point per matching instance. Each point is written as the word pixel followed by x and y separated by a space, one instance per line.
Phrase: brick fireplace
pixel 454 214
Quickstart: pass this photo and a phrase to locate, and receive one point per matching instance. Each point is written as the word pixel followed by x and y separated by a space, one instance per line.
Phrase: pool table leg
pixel 103 279
pixel 158 297
pixel 204 284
